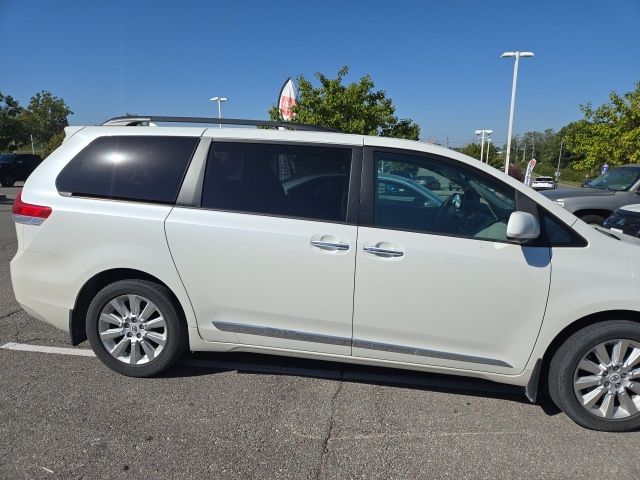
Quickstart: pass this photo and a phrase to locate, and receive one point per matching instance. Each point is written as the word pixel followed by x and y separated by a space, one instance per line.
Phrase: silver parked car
pixel 594 203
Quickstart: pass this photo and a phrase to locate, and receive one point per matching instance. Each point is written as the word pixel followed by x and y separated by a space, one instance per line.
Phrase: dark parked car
pixel 16 167
pixel 625 220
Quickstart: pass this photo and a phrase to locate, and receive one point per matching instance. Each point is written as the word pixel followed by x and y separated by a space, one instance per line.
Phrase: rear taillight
pixel 28 213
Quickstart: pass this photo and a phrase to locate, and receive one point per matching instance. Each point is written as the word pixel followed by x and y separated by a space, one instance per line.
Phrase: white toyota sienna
pixel 150 240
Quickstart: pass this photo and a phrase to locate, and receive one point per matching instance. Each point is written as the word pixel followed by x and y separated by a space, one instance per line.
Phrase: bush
pixel 566 174
pixel 515 172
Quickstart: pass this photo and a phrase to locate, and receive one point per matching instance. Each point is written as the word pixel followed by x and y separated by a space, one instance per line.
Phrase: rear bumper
pixel 41 286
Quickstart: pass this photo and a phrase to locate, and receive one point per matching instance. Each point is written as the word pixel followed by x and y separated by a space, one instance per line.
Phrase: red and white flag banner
pixel 528 174
pixel 287 100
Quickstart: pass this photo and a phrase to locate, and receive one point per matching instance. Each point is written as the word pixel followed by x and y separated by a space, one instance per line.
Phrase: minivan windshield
pixel 7 158
pixel 617 179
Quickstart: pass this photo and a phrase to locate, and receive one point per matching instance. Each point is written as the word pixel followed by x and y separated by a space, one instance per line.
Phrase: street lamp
pixel 481 134
pixel 517 56
pixel 488 149
pixel 219 100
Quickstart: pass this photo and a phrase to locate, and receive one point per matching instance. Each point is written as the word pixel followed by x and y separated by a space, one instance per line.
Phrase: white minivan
pixel 295 240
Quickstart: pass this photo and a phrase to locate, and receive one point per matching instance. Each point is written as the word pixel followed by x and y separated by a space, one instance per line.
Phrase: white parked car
pixel 544 183
pixel 151 240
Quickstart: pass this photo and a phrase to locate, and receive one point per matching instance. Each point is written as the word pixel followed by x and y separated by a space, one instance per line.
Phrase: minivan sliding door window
pixel 297 181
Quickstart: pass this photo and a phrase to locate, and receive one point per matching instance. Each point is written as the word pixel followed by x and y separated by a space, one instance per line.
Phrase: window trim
pixel 523 202
pixel 192 189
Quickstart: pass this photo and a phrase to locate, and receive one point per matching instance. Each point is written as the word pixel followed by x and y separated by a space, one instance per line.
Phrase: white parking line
pixel 25 347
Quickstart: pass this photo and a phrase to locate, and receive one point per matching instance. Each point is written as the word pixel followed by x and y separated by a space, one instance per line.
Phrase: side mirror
pixel 522 226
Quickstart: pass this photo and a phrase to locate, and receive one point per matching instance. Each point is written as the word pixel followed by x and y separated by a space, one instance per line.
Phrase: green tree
pixel 45 116
pixel 474 149
pixel 352 108
pixel 53 143
pixel 12 132
pixel 607 134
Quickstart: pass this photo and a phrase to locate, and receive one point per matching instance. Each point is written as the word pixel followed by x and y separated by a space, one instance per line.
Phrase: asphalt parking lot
pixel 251 416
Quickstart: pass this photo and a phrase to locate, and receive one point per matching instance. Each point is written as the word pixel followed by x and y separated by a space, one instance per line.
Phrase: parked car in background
pixel 16 167
pixel 625 220
pixel 150 241
pixel 429 181
pixel 544 183
pixel 402 173
pixel 594 203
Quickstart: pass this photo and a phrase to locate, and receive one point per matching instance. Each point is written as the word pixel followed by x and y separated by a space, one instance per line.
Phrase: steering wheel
pixel 447 209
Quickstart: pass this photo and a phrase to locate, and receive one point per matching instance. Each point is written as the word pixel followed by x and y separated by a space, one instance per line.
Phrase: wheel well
pixel 77 318
pixel 573 328
pixel 601 213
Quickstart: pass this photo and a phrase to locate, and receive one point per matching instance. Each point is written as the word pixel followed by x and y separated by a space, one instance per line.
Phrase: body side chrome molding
pixel 344 341
pixel 281 333
pixel 423 352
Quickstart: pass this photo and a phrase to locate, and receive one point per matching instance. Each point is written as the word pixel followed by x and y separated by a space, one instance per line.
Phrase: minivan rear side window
pixel 139 168
pixel 284 180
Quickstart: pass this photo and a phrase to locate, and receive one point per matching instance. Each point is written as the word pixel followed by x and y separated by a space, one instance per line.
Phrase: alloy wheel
pixel 607 380
pixel 132 329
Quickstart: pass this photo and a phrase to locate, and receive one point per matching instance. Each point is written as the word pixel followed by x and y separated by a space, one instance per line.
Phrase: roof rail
pixel 142 120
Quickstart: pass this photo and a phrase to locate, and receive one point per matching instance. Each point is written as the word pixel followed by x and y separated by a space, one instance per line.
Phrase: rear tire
pixel 135 329
pixel 7 181
pixel 593 220
pixel 613 378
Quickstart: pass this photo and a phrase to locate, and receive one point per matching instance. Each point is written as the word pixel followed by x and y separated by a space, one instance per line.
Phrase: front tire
pixel 134 328
pixel 594 377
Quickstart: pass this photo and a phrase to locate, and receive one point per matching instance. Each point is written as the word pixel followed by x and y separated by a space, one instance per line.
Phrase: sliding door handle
pixel 383 252
pixel 331 246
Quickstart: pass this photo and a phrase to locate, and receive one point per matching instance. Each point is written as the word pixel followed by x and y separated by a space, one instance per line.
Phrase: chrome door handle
pixel 331 246
pixel 383 252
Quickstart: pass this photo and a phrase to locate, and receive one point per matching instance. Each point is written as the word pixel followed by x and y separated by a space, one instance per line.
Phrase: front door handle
pixel 383 252
pixel 331 246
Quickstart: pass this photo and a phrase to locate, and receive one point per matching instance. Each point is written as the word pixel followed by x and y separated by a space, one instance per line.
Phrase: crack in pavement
pixel 16 330
pixel 12 312
pixel 10 244
pixel 330 427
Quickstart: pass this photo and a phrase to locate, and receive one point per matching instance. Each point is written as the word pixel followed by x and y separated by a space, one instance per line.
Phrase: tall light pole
pixel 488 149
pixel 517 56
pixel 559 157
pixel 481 134
pixel 219 100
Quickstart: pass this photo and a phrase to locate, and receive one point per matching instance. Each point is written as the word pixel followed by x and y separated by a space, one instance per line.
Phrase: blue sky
pixel 438 61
